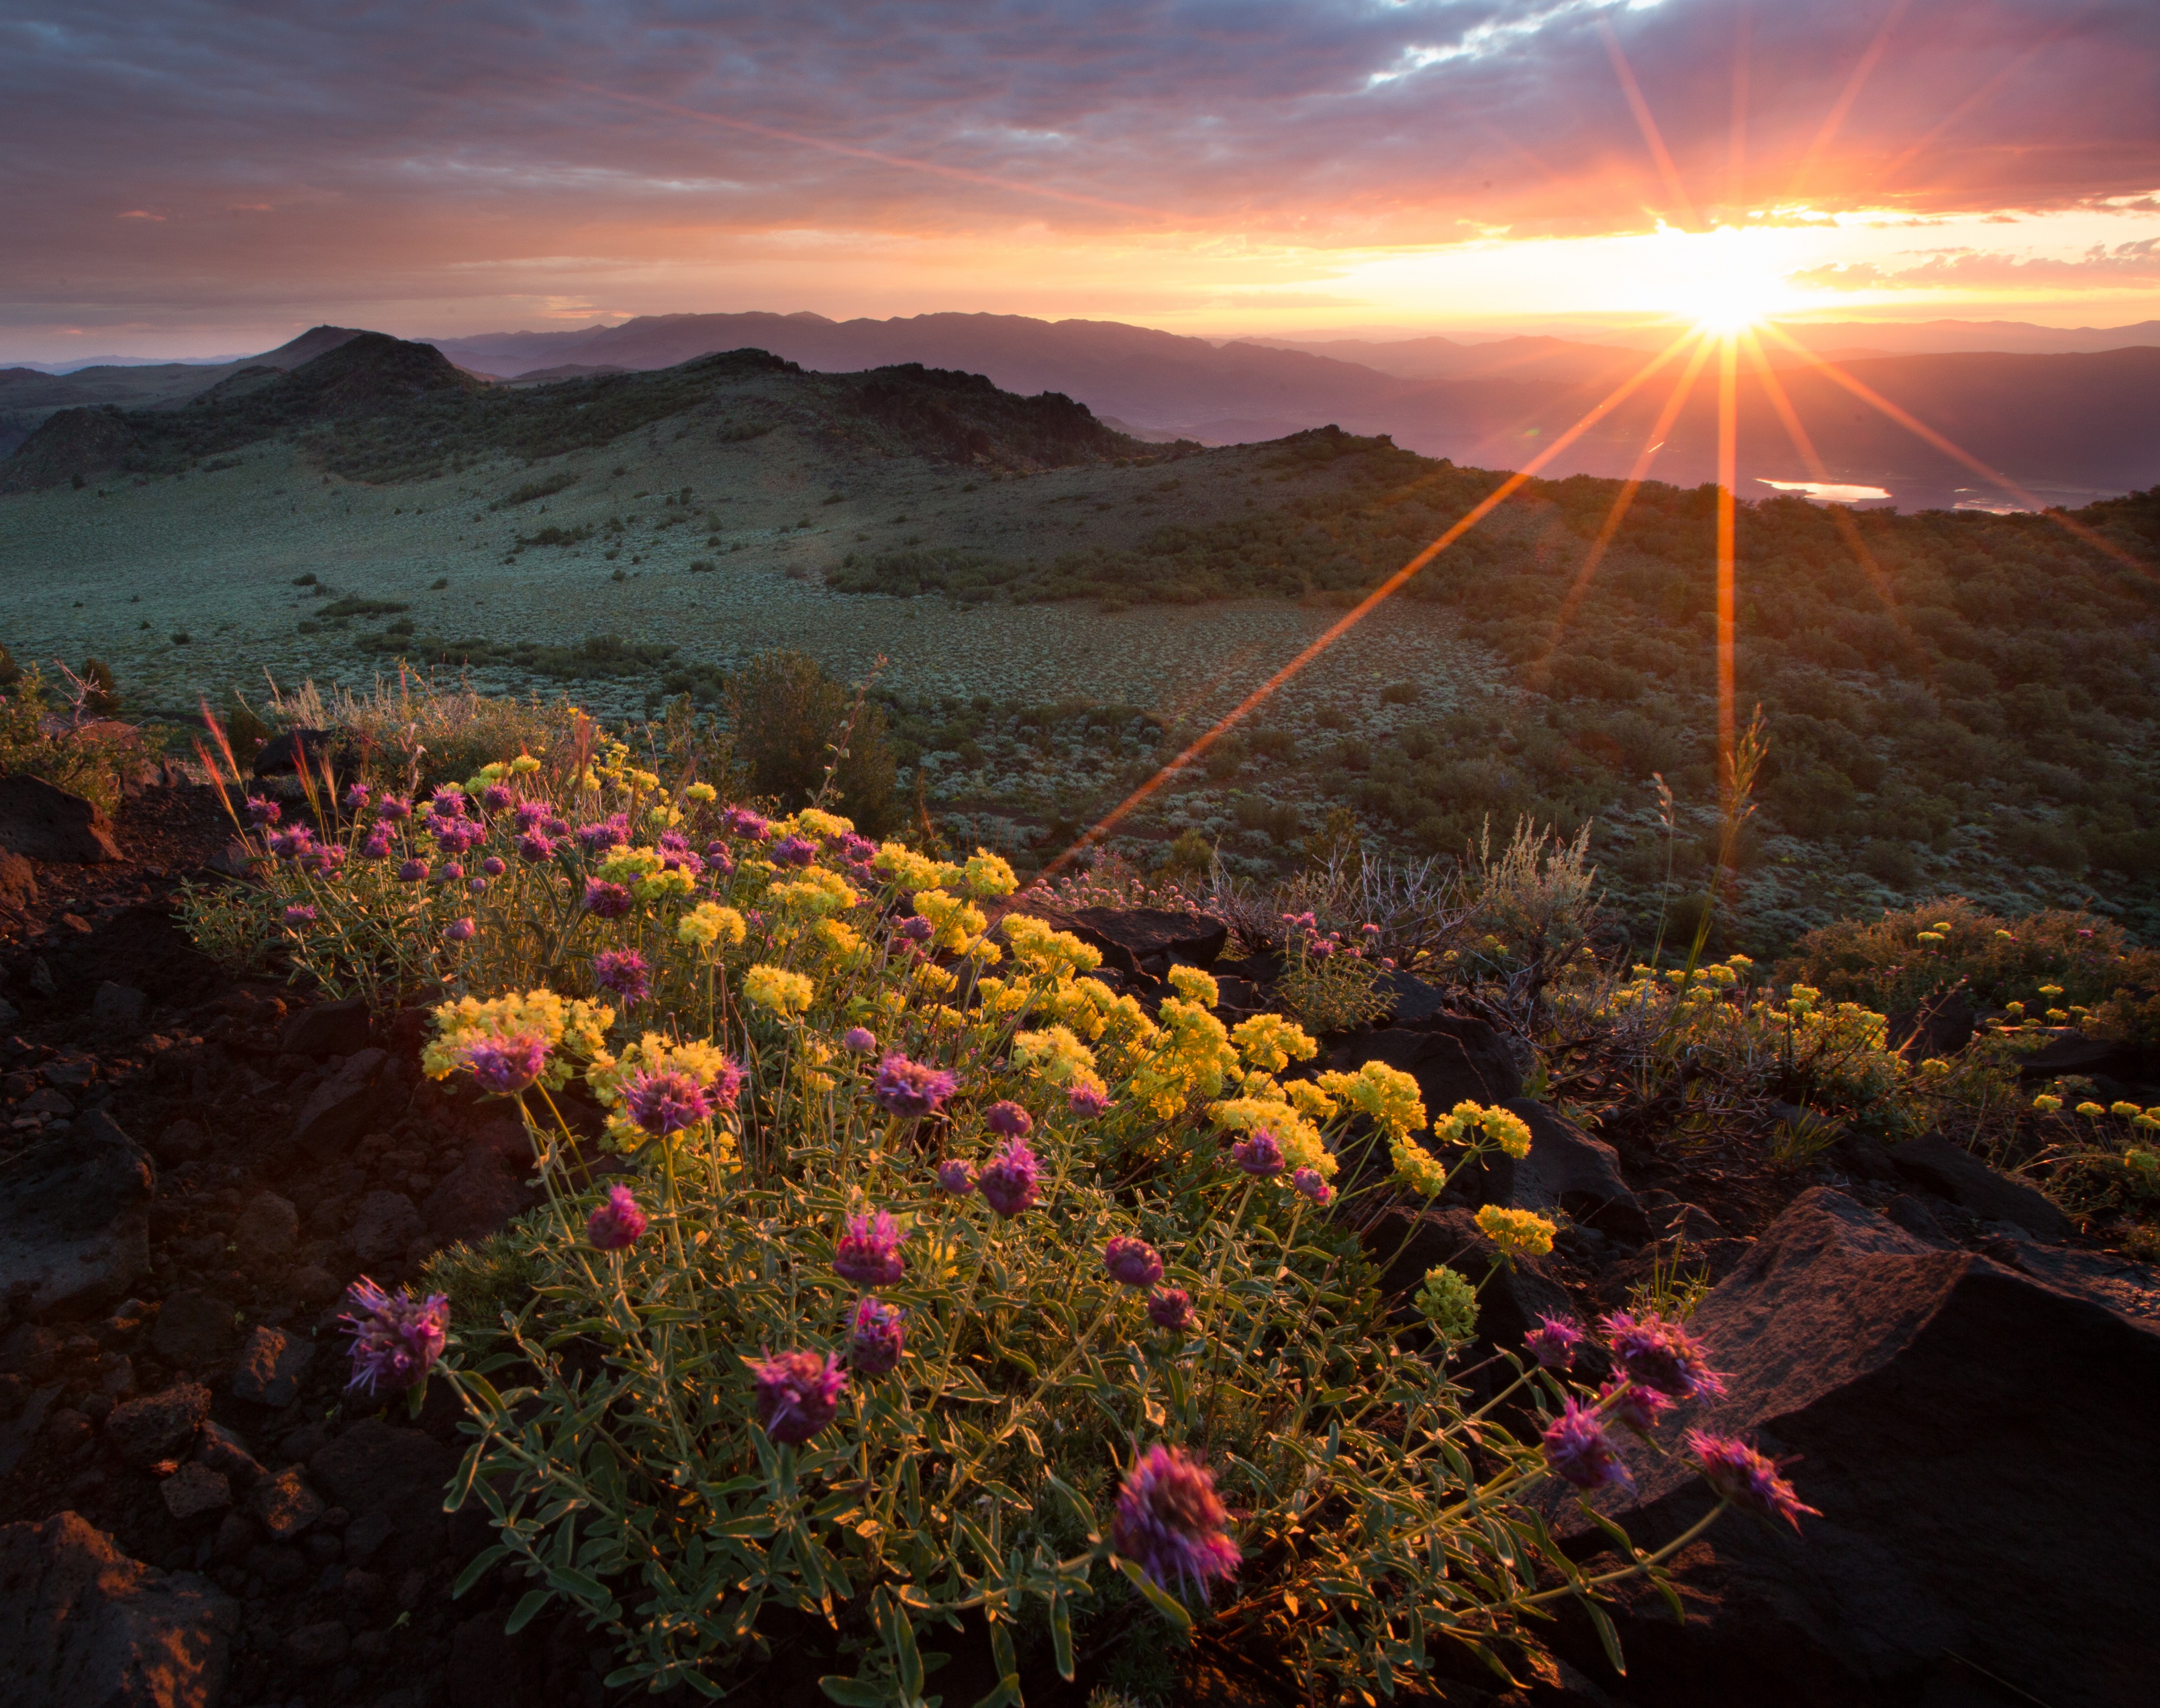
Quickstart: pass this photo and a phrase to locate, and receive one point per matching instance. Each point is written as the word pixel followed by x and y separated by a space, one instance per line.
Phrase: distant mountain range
pixel 2066 427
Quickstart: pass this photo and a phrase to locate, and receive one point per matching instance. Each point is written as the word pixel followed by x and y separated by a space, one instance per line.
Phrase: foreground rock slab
pixel 74 1217
pixel 83 1626
pixel 1974 1437
pixel 48 823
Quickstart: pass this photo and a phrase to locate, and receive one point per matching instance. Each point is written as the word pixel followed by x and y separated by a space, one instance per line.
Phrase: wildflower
pixel 877 1334
pixel 1553 1342
pixel 782 992
pixel 535 847
pixel 1269 1041
pixel 1449 1303
pixel 495 798
pixel 1418 1168
pixel 911 1089
pixel 725 1084
pixel 493 866
pixel 394 808
pixel 447 801
pixel 1578 1451
pixel 395 1341
pixel 2124 1111
pixel 661 1103
pixel 917 929
pixel 797 1395
pixel 1132 1263
pixel 1086 1101
pixel 1517 1232
pixel 450 873
pixel 1008 1119
pixel 299 915
pixel 1502 1128
pixel 529 813
pixel 2092 1111
pixel 506 1065
pixel 624 972
pixel 704 794
pixel 263 811
pixel 1010 1180
pixel 869 1252
pixel 956 1177
pixel 1310 1182
pixel 355 797
pixel 1387 1094
pixel 1661 1355
pixel 606 901
pixel 1170 1308
pixel 376 846
pixel 616 1224
pixel 1258 1154
pixel 1170 1521
pixel 859 1040
pixel 2046 1104
pixel 1632 1405
pixel 459 931
pixel 413 871
pixel 709 923
pixel 740 821
pixel 794 851
pixel 1740 1474
pixel 577 1028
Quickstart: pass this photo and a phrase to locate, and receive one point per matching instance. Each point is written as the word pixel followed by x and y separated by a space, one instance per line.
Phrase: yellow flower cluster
pixel 906 869
pixel 1041 948
pixel 708 925
pixel 1517 1232
pixel 1190 1058
pixel 956 926
pixel 817 824
pixel 1195 986
pixel 569 1025
pixel 1302 1147
pixel 704 794
pixel 1418 1168
pixel 774 988
pixel 1270 1042
pixel 813 894
pixel 1058 1057
pixel 1469 1123
pixel 2046 1104
pixel 610 1078
pixel 840 945
pixel 987 877
pixel 1387 1094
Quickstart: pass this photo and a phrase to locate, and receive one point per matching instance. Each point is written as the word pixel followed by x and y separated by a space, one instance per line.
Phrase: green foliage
pixel 794 724
pixel 93 762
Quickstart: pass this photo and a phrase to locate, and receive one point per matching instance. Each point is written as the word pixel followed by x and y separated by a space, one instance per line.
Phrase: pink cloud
pixel 2099 268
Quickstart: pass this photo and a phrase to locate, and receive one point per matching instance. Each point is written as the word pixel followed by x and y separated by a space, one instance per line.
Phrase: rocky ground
pixel 193 1511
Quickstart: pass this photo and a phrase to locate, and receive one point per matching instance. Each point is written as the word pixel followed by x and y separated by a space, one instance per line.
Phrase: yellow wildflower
pixel 1041 948
pixel 933 978
pixel 814 821
pixel 776 988
pixel 987 877
pixel 906 868
pixel 2124 1111
pixel 812 893
pixel 1418 1168
pixel 1309 1100
pixel 1934 1067
pixel 611 1077
pixel 574 1027
pixel 704 794
pixel 1195 986
pixel 1517 1232
pixel 1056 1054
pixel 1302 1147
pixel 1270 1042
pixel 708 923
pixel 955 923
pixel 525 765
pixel 1387 1094
pixel 1463 1125
pixel 2092 1111
pixel 1449 1303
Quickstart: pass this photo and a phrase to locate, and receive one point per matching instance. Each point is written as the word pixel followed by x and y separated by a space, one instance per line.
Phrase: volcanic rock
pixel 1953 1172
pixel 195 1331
pixel 343 1107
pixel 386 1225
pixel 327 1029
pixel 1567 1171
pixel 391 1481
pixel 270 1365
pixel 1452 1057
pixel 48 823
pixel 159 1426
pixel 75 1219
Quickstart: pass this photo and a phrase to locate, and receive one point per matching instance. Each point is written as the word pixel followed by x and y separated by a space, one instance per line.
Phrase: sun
pixel 1726 283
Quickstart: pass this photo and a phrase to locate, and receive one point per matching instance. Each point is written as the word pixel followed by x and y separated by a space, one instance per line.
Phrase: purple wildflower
pixel 321 860
pixel 413 871
pixel 1740 1474
pixel 794 851
pixel 1632 1406
pixel 506 1065
pixel 1132 1263
pixel 394 808
pixel 1086 1101
pixel 1310 1182
pixel 957 1176
pixel 797 1393
pixel 459 931
pixel 529 813
pixel 856 849
pixel 623 972
pixel 535 847
pixel 876 1336
pixel 869 1252
pixel 917 929
pixel 495 798
pixel 449 872
pixel 264 812
pixel 1169 1519
pixel 447 801
pixel 355 797
pixel 1010 1181
pixel 1553 1342
pixel 604 833
pixel 493 866
pixel 606 901
pixel 1170 1308
pixel 615 1225
pixel 299 914
pixel 910 1088
pixel 726 1085
pixel 395 1341
pixel 1578 1451
pixel 1258 1154
pixel 667 1102
pixel 1008 1119
pixel 378 845
pixel 740 821
pixel 1657 1354
pixel 859 1040
pixel 717 858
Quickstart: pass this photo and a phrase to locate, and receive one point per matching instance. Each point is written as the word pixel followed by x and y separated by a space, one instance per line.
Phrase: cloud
pixel 1975 269
pixel 398 139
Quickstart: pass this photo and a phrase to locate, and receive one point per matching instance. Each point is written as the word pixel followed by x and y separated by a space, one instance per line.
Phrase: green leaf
pixel 478 1570
pixel 484 1390
pixel 1607 1636
pixel 1082 1509
pixel 573 1582
pixel 1060 1635
pixel 526 1611
pixel 855 1692
pixel 1165 1603
pixel 461 1482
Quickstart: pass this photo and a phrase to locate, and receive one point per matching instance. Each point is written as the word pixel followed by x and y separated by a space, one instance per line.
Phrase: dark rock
pixel 182 1141
pixel 1453 1057
pixel 1509 1305
pixel 145 947
pixel 1137 941
pixel 1942 1025
pixel 284 1504
pixel 394 1478
pixel 1938 1403
pixel 270 1365
pixel 1951 1171
pixel 479 1196
pixel 48 823
pixel 312 1285
pixel 235 1537
pixel 117 1007
pixel 269 1227
pixel 2117 1282
pixel 18 880
pixel 159 1427
pixel 1566 1170
pixel 327 1029
pixel 195 1331
pixel 70 1430
pixel 489 1669
pixel 344 1106
pixel 386 1225
pixel 280 1568
pixel 318 1645
pixel 2074 1052
pixel 194 1491
pixel 83 1626
pixel 1916 1218
pixel 284 754
pixel 227 1454
pixel 75 1219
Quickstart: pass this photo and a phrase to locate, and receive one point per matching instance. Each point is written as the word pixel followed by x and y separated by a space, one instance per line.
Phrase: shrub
pixel 1111 1304
pixel 794 724
pixel 94 762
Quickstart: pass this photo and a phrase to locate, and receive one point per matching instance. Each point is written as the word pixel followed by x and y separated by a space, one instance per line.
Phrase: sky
pixel 199 177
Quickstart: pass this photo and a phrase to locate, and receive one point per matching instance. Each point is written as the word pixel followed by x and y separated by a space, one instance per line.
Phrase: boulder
pixel 1137 941
pixel 284 754
pixel 83 1626
pixel 195 1331
pixel 1414 998
pixel 159 1426
pixel 327 1029
pixel 391 1480
pixel 1410 1243
pixel 1566 1170
pixel 194 1491
pixel 2073 1052
pixel 268 1227
pixel 284 1504
pixel 481 1194
pixel 74 1217
pixel 18 880
pixel 270 1365
pixel 386 1225
pixel 1453 1057
pixel 1951 1171
pixel 117 1007
pixel 1960 1427
pixel 48 823
pixel 224 1452
pixel 343 1107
